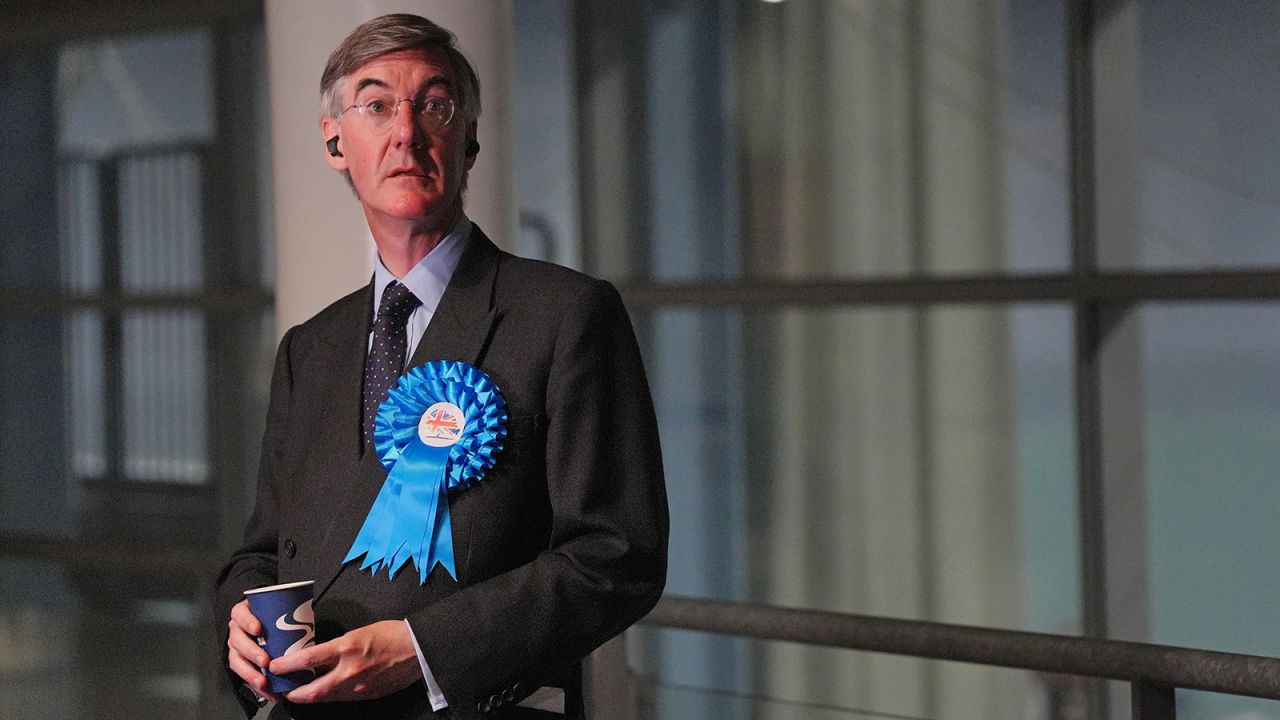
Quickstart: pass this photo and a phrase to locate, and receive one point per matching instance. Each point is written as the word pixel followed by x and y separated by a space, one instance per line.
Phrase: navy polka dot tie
pixel 385 360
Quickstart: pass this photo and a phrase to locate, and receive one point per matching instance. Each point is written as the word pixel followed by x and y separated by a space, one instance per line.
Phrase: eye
pixel 377 106
pixel 435 105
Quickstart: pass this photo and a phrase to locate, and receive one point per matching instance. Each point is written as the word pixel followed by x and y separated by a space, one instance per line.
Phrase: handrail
pixel 1145 665
pixel 1153 669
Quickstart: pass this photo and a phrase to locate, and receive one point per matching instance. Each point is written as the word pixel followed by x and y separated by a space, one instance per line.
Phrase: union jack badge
pixel 441 425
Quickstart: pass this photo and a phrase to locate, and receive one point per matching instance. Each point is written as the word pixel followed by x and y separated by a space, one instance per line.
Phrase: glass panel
pixel 111 97
pixel 784 681
pixel 86 383
pixel 819 139
pixel 79 228
pixel 1045 441
pixel 1034 131
pixel 1202 90
pixel 1191 414
pixel 161 227
pixel 1214 706
pixel 111 447
pixel 1210 419
pixel 165 425
pixel 545 151
pixel 884 461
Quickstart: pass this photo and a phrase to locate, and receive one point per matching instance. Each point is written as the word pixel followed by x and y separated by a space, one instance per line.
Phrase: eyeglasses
pixel 378 113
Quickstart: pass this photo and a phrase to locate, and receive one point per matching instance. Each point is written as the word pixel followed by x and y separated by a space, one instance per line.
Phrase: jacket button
pixel 508 695
pixel 495 700
pixel 290 549
pixel 483 706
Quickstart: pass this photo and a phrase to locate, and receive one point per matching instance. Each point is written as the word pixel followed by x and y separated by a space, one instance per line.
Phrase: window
pixel 933 334
pixel 136 319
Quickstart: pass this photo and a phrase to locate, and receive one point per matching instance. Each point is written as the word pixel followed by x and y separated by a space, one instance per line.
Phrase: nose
pixel 404 125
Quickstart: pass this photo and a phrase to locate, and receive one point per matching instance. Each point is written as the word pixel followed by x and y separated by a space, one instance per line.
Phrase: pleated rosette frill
pixel 441 427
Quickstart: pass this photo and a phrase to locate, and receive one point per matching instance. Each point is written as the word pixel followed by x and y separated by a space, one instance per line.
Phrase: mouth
pixel 412 172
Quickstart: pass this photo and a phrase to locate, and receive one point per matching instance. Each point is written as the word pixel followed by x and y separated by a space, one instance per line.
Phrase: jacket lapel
pixel 343 410
pixel 338 469
pixel 460 327
pixel 459 330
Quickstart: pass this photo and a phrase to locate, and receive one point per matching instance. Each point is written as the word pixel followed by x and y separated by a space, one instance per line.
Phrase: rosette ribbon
pixel 440 428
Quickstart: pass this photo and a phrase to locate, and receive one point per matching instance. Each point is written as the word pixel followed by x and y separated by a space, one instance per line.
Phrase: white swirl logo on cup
pixel 288 625
pixel 303 620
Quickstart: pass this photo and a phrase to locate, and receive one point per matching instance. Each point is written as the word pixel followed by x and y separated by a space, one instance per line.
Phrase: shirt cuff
pixel 436 697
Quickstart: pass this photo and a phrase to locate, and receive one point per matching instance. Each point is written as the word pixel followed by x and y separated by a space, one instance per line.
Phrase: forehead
pixel 404 70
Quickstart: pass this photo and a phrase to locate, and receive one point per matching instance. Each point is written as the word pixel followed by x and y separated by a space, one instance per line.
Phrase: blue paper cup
pixel 288 625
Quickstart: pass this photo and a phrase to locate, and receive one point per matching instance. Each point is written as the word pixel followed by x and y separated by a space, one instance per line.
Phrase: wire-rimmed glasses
pixel 432 112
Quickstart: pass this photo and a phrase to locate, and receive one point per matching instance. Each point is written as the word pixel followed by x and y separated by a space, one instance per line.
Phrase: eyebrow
pixel 426 84
pixel 366 82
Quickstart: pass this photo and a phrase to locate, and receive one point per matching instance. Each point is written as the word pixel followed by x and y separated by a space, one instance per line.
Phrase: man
pixel 559 546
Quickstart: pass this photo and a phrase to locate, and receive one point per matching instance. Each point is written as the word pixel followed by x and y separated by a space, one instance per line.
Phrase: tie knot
pixel 397 303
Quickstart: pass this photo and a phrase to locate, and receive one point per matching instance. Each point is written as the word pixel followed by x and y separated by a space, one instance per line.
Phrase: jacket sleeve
pixel 253 564
pixel 606 563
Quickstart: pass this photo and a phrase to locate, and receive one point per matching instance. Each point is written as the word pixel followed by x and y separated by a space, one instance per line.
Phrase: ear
pixel 471 138
pixel 328 129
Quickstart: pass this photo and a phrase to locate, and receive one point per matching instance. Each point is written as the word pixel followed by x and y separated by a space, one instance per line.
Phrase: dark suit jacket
pixel 561 546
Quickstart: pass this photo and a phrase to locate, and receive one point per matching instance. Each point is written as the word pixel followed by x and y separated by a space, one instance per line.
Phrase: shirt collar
pixel 428 279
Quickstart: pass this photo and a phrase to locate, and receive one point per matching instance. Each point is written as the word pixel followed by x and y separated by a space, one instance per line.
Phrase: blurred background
pixel 903 305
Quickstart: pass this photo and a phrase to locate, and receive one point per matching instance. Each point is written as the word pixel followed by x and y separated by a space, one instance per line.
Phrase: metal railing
pixel 1153 671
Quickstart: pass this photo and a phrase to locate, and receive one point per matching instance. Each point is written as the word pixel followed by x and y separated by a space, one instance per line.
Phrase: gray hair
pixel 394 33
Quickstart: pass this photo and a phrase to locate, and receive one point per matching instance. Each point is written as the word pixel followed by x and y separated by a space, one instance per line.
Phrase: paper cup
pixel 288 625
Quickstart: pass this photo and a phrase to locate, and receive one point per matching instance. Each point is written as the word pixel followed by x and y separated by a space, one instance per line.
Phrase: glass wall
pixel 811 209
pixel 892 462
pixel 137 325
pixel 1211 409
pixel 820 140
pixel 1205 87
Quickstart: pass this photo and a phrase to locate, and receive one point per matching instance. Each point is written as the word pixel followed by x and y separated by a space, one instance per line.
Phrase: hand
pixel 366 663
pixel 244 655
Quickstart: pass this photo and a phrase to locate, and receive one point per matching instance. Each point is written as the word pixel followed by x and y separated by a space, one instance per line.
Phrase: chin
pixel 417 205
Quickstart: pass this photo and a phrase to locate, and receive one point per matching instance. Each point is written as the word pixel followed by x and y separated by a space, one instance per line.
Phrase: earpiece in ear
pixel 473 147
pixel 332 144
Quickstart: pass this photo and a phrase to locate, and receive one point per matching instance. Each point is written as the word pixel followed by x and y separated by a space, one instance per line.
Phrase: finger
pixel 244 617
pixel 252 676
pixel 316 656
pixel 322 689
pixel 247 647
pixel 247 671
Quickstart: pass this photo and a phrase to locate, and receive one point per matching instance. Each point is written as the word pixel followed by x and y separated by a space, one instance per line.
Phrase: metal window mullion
pixel 1103 288
pixel 1086 361
pixel 112 319
pixel 236 301
pixel 1153 701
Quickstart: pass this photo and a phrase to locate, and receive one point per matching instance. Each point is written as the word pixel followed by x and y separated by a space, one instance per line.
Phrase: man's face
pixel 403 173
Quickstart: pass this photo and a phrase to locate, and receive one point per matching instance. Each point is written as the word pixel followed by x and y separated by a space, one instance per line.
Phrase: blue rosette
pixel 441 427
